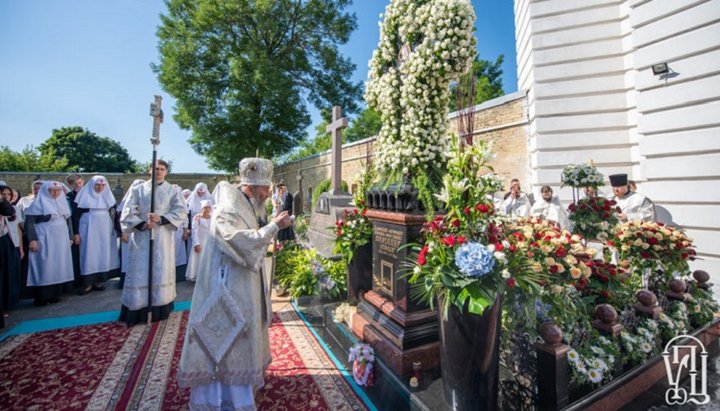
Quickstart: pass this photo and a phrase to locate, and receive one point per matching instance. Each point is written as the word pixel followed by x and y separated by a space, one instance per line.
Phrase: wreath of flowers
pixel 363 357
pixel 581 175
pixel 436 40
pixel 652 245
pixel 594 218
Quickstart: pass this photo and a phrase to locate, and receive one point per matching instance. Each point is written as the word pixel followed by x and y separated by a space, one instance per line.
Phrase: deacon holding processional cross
pixel 152 213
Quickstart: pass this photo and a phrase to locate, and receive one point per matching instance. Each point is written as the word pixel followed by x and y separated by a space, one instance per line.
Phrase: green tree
pixel 29 159
pixel 366 124
pixel 315 145
pixel 86 151
pixel 488 81
pixel 242 71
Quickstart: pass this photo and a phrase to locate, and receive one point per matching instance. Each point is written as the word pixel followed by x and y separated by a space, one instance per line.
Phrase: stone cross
pixel 335 128
pixel 157 115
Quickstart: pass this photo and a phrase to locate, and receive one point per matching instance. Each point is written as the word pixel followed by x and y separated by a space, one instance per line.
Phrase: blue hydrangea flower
pixel 474 259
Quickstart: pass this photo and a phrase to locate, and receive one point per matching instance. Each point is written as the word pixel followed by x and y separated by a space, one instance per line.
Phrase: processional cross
pixel 157 115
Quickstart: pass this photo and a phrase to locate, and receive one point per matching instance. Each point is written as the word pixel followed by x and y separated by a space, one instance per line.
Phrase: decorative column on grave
pixel 401 331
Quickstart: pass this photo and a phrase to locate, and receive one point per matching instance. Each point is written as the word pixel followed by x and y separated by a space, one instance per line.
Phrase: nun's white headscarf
pixel 193 202
pixel 45 204
pixel 87 197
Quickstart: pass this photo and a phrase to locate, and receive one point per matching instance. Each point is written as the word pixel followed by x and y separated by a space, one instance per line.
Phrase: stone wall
pixel 502 121
pixel 23 181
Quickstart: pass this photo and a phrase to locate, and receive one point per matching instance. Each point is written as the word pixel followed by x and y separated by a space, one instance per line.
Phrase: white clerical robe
pixel 550 210
pixel 236 246
pixel 636 206
pixel 200 230
pixel 135 211
pixel 516 207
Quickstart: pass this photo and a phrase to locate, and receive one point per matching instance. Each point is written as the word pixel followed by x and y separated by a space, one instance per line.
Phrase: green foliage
pixel 29 159
pixel 488 81
pixel 142 167
pixel 301 225
pixel 702 306
pixel 242 71
pixel 323 187
pixel 366 124
pixel 87 152
pixel 321 142
pixel 303 272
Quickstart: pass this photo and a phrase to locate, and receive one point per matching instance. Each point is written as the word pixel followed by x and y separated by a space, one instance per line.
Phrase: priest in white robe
pixel 125 239
pixel 227 349
pixel 136 219
pixel 549 208
pixel 94 227
pixel 634 206
pixel 516 203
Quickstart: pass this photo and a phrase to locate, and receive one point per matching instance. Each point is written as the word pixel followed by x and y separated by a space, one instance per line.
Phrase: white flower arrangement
pixel 581 175
pixel 674 321
pixel 593 364
pixel 343 313
pixel 640 344
pixel 435 44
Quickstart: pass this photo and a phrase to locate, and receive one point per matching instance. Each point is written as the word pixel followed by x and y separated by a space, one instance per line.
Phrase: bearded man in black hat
pixel 634 206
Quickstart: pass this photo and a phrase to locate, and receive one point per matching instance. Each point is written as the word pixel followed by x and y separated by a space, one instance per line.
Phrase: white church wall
pixel 586 67
pixel 679 116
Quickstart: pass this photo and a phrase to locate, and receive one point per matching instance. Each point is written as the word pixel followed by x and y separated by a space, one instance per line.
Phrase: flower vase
pixel 469 357
pixel 359 273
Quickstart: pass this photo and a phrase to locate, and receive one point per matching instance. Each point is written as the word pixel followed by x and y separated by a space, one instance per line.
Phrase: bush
pixel 323 187
pixel 301 225
pixel 303 272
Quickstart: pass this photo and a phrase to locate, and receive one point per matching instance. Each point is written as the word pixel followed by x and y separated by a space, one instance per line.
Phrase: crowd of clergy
pixel 634 205
pixel 73 236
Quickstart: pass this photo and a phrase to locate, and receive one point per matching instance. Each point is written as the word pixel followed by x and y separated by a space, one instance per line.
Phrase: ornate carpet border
pixel 340 366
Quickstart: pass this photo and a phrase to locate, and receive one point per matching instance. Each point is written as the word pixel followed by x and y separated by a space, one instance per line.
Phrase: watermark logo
pixel 684 357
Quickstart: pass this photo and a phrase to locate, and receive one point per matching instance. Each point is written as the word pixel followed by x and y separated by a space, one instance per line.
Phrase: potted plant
pixel 465 266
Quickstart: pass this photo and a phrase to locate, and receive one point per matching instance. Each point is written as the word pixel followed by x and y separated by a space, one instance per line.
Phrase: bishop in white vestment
pixel 227 348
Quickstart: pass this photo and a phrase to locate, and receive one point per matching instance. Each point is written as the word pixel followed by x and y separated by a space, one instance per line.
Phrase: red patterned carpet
pixel 110 367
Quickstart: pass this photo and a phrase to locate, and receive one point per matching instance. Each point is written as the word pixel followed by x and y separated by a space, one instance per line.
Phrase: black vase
pixel 470 355
pixel 359 273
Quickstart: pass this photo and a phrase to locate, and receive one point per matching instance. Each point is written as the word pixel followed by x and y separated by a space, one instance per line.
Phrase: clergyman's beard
pixel 258 205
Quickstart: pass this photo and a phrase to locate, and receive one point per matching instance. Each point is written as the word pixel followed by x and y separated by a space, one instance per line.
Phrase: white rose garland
pixel 412 99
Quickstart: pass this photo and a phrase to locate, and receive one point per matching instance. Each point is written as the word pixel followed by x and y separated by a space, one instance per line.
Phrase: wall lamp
pixel 660 69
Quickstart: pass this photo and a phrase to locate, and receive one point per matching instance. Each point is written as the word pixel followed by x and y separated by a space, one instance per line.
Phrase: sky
pixel 87 63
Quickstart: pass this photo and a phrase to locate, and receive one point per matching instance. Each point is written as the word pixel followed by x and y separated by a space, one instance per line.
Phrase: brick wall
pixel 502 121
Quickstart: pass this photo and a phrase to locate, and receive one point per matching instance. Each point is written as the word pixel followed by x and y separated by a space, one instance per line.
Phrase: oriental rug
pixel 108 366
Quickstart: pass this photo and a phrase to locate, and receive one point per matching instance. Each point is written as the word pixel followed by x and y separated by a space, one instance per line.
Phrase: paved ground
pixel 96 301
